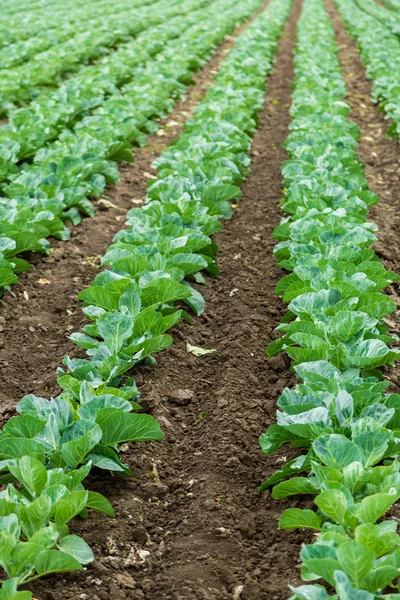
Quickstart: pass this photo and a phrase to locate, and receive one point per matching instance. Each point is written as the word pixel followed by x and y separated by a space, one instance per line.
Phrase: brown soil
pixel 41 310
pixel 191 524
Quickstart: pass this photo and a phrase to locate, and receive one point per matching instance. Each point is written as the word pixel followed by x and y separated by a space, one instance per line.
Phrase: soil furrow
pixel 41 310
pixel 380 155
pixel 193 505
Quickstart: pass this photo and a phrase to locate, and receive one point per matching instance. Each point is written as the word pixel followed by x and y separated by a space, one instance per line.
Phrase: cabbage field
pixel 199 300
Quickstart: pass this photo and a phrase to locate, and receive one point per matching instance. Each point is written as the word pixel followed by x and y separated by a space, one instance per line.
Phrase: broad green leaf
pixel 347 591
pixel 130 301
pixel 45 537
pixel 35 515
pixel 23 427
pixel 345 324
pixel 9 591
pixel 324 474
pixel 67 508
pixel 379 578
pixel 74 478
pixel 118 427
pixel 295 518
pixel 296 485
pixel 56 492
pixel 297 465
pixel 344 407
pixel 106 457
pixel 33 475
pixel 89 409
pixel 23 556
pixel 163 291
pixel 322 567
pixel 188 263
pixel 355 559
pixel 74 451
pixel 354 476
pixel 11 524
pixel 376 305
pixel 100 503
pixel 333 504
pixel 54 561
pixel 115 329
pixel 7 544
pixel 195 301
pixel 309 592
pixel 35 406
pixel 19 447
pixel 76 547
pixel 373 507
pixel 372 445
pixel 106 296
pixel 378 542
pixel 149 346
pixel 50 435
pixel 336 451
pixel 7 277
pixel 221 192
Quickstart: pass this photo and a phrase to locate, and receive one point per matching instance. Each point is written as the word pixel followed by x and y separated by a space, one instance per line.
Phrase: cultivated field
pixel 199 258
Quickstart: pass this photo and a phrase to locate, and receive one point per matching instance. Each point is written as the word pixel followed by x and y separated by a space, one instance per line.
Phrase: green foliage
pixel 334 331
pixel 95 118
pixel 48 449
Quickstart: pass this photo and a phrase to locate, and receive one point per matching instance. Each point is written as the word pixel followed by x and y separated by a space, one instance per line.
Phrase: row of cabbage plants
pixel 28 22
pixel 81 19
pixel 389 18
pixel 47 68
pixel 49 448
pixel 335 333
pixel 55 188
pixel 393 4
pixel 30 128
pixel 19 9
pixel 380 53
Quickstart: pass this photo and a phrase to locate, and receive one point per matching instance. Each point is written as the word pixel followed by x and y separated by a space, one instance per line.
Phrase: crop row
pixel 335 333
pixel 380 52
pixel 30 128
pixel 393 4
pixel 38 22
pixel 13 9
pixel 389 18
pixel 47 68
pixel 57 185
pixel 69 32
pixel 50 447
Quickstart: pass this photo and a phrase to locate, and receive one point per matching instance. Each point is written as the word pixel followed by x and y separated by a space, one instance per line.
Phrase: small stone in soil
pixel 181 397
pixel 233 461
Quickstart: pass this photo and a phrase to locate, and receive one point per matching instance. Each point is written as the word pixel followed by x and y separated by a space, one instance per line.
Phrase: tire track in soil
pixel 380 156
pixel 193 503
pixel 36 318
